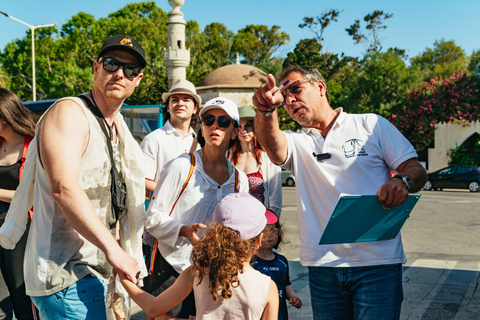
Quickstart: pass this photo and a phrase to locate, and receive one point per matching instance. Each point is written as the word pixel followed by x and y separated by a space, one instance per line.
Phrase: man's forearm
pixel 416 172
pixel 272 139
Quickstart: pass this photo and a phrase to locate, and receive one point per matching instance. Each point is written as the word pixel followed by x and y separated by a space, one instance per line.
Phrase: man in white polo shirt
pixel 177 136
pixel 336 153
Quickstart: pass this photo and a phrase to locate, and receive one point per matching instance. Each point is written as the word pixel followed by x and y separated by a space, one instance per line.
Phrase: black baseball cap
pixel 125 43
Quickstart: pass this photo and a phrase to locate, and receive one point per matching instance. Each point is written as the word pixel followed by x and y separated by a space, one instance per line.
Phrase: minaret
pixel 177 56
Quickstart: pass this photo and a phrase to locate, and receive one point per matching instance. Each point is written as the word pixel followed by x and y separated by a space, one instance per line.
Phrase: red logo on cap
pixel 126 42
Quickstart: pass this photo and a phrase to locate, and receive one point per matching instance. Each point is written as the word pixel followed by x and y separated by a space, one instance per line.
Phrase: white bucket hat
pixel 225 104
pixel 182 87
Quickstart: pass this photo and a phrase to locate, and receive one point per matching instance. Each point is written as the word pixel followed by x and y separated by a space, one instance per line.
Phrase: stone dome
pixel 235 75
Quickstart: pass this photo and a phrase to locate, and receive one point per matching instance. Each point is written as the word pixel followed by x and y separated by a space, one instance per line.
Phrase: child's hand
pixel 190 232
pixel 295 301
pixel 120 274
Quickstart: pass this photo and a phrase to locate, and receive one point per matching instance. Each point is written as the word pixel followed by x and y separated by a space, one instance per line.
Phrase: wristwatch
pixel 267 113
pixel 405 180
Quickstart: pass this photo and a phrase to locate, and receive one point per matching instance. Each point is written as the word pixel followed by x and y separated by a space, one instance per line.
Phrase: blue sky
pixel 414 27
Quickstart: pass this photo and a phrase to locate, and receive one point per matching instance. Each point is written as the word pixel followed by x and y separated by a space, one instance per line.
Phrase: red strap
pixel 26 142
pixel 192 166
pixel 236 188
pixel 155 248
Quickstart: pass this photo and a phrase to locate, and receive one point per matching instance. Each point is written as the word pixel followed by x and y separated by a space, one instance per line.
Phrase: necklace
pixel 110 127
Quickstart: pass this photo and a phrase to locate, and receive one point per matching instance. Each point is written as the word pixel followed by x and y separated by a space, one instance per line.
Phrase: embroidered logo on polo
pixel 126 42
pixel 354 148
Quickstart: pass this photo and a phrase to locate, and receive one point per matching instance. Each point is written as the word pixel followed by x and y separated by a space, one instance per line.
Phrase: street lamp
pixel 32 28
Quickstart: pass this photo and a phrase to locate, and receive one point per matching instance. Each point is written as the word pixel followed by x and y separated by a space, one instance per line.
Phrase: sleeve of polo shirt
pixel 396 148
pixel 288 164
pixel 150 148
pixel 159 223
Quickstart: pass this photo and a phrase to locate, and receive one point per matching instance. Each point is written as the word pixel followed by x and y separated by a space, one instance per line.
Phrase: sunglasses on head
pixel 293 89
pixel 223 122
pixel 129 69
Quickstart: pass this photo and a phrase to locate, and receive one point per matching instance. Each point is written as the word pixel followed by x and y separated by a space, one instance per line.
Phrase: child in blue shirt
pixel 275 266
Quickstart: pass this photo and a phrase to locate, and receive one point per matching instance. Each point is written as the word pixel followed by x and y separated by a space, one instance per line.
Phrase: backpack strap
pixel 155 248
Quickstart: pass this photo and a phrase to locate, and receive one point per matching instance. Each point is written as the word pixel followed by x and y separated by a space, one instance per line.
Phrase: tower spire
pixel 177 56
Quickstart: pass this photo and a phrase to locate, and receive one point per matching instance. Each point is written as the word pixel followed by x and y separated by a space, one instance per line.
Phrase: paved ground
pixel 441 239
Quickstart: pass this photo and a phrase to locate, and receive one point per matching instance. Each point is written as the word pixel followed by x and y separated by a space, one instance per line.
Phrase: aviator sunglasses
pixel 129 69
pixel 294 89
pixel 223 122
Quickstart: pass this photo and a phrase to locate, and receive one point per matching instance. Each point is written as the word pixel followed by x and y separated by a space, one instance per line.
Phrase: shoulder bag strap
pixel 98 115
pixel 155 248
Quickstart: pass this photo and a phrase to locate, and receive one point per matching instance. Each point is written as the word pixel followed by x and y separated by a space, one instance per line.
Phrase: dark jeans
pixel 367 293
pixel 11 265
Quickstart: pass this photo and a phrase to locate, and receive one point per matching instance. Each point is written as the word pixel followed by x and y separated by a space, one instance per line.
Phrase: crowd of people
pixel 207 245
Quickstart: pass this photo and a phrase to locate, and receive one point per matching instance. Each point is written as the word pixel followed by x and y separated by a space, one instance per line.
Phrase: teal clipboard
pixel 361 218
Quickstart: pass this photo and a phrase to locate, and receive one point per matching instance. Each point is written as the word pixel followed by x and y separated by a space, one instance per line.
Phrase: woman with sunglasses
pixel 187 192
pixel 247 155
pixel 17 129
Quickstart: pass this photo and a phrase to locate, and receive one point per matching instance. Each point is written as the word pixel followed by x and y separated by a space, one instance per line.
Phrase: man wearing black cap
pixel 83 145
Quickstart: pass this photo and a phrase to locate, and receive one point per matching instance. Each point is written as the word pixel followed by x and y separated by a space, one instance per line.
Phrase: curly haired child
pixel 275 266
pixel 224 284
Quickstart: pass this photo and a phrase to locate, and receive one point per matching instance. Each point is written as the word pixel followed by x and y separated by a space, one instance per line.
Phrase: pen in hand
pixel 281 87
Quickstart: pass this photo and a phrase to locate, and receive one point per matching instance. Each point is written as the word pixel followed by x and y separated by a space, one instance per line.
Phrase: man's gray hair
pixel 309 73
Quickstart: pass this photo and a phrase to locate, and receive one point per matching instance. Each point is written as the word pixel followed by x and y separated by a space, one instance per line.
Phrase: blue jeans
pixel 85 299
pixel 366 293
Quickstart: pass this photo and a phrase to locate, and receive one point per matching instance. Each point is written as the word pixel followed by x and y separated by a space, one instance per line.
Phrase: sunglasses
pixel 129 69
pixel 247 127
pixel 223 122
pixel 294 89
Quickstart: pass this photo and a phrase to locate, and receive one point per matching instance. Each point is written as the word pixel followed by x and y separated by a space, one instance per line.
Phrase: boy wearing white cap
pixel 224 283
pixel 188 189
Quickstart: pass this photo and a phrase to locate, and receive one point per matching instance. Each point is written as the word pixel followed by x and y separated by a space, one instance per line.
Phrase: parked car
pixel 454 177
pixel 288 178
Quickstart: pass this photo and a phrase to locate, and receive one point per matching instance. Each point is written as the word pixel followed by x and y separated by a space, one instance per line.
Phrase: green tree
pixel 64 57
pixel 462 156
pixel 209 50
pixel 257 43
pixel 318 24
pixel 455 100
pixel 336 70
pixel 474 64
pixel 379 84
pixel 375 23
pixel 444 60
pixel 306 53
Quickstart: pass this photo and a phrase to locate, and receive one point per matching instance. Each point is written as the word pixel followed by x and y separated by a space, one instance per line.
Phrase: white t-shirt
pixel 363 148
pixel 195 205
pixel 161 146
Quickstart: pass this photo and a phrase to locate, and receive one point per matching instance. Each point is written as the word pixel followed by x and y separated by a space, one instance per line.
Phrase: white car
pixel 288 178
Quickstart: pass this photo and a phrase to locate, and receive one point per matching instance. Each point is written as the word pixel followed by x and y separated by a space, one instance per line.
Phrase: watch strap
pixel 405 180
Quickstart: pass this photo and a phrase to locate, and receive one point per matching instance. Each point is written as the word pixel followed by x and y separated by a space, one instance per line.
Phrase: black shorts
pixel 163 276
